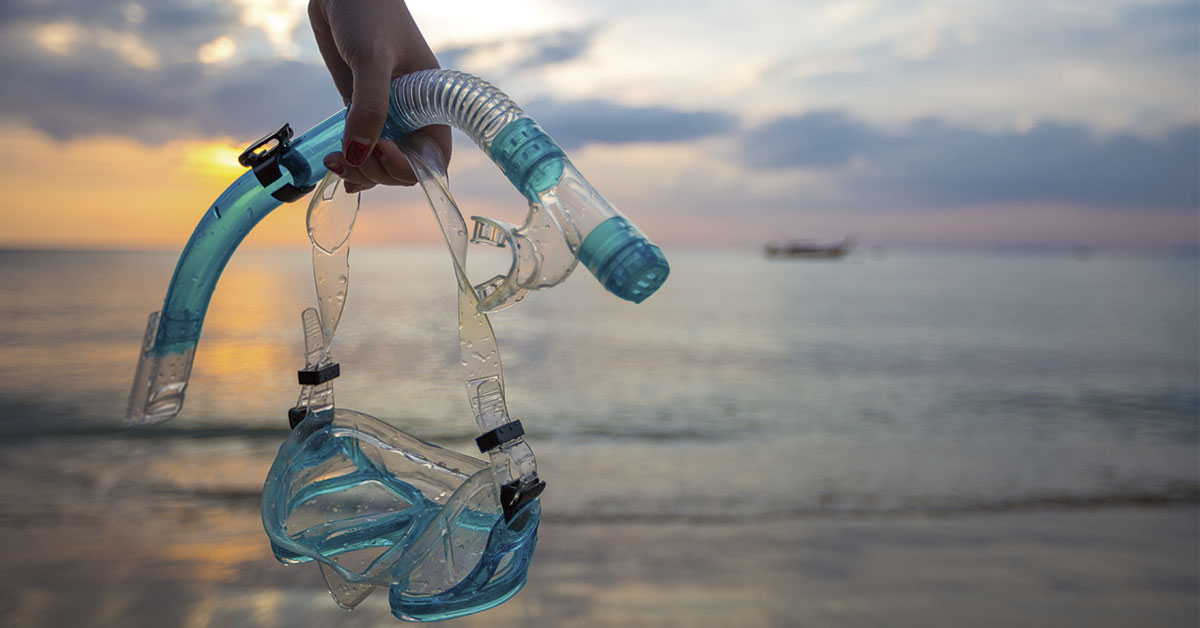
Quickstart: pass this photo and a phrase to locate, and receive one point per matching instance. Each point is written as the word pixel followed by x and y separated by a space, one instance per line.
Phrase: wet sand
pixel 210 566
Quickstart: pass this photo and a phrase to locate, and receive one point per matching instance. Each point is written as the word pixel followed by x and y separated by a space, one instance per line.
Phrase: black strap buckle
pixel 314 377
pixel 266 161
pixel 296 415
pixel 518 493
pixel 497 436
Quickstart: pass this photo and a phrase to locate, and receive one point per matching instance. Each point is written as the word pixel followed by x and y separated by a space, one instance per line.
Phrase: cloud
pixel 521 54
pixel 95 91
pixel 173 31
pixel 823 139
pixel 575 123
pixel 933 162
pixel 106 67
pixel 1112 64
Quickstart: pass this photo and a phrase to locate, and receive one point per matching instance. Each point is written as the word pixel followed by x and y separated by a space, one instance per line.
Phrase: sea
pixel 889 383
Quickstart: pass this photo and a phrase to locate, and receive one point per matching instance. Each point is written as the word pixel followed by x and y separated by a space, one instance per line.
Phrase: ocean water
pixel 747 389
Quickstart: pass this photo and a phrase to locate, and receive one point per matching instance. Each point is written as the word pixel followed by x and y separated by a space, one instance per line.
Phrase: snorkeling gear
pixel 448 534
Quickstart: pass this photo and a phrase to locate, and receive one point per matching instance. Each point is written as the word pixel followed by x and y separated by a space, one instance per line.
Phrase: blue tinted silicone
pixel 499 575
pixel 625 262
pixel 528 157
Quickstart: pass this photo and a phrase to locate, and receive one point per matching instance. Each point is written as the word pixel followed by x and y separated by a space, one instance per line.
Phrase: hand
pixel 366 44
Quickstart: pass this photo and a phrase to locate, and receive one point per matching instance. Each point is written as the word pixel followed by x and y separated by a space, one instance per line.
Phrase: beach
pixel 1108 566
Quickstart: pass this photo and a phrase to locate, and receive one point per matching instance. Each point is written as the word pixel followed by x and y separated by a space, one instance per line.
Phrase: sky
pixel 902 122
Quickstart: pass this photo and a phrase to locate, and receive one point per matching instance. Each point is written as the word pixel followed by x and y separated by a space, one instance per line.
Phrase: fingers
pixel 368 110
pixel 385 166
pixel 365 44
pixel 394 165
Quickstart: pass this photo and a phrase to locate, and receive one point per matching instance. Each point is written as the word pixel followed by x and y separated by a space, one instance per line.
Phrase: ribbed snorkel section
pixel 467 103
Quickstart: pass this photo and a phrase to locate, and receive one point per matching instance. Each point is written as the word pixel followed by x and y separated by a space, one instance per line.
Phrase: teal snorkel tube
pixel 446 533
pixel 568 220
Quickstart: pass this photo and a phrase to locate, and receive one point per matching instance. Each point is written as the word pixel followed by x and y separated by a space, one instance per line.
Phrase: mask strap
pixel 502 438
pixel 331 217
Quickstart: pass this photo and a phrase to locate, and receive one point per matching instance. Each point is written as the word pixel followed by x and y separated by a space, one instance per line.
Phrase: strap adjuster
pixel 497 436
pixel 518 493
pixel 314 377
pixel 296 415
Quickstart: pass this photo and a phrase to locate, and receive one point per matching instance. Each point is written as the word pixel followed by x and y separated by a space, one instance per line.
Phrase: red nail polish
pixel 357 152
pixel 338 170
pixel 379 151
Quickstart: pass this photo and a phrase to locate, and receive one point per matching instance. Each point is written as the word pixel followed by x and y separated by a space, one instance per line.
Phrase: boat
pixel 808 249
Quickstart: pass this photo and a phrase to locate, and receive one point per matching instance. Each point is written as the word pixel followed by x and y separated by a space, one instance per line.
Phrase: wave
pixel 1172 495
pixel 1168 497
pixel 148 432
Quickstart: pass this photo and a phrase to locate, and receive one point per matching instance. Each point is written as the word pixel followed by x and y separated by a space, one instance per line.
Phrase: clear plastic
pixel 331 215
pixel 479 353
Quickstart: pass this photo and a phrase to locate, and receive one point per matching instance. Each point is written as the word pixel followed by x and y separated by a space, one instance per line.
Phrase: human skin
pixel 366 44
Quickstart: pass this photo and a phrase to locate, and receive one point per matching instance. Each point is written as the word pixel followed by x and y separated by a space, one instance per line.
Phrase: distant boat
pixel 807 249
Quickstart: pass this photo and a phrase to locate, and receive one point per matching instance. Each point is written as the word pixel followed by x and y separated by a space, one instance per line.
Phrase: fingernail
pixel 357 151
pixel 338 170
pixel 379 151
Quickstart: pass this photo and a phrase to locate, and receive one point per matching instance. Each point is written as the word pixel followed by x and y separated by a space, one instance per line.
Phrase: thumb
pixel 368 110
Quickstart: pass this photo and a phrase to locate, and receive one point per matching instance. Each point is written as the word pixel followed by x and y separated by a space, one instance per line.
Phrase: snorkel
pixel 568 220
pixel 447 533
